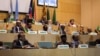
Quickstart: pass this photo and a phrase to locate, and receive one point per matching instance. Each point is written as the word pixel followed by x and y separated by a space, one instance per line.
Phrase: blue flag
pixel 16 10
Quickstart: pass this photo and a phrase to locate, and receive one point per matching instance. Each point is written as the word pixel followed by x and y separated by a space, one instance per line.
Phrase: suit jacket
pixel 27 20
pixel 97 41
pixel 17 44
pixel 45 28
pixel 15 29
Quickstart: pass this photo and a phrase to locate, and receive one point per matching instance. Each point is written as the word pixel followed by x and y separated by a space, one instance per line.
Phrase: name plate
pixel 54 32
pixel 42 32
pixel 3 31
pixel 98 45
pixel 83 46
pixel 38 23
pixel 32 32
pixel 63 47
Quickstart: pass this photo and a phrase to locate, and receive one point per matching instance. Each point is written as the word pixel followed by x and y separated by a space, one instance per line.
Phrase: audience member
pixel 90 32
pixel 72 23
pixel 27 20
pixel 44 20
pixel 62 29
pixel 21 42
pixel 6 19
pixel 49 26
pixel 1 45
pixel 63 41
pixel 45 27
pixel 82 31
pixel 91 42
pixel 28 27
pixel 97 41
pixel 75 41
pixel 17 28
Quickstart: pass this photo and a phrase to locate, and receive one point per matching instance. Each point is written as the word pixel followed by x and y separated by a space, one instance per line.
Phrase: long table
pixel 51 52
pixel 34 27
pixel 33 38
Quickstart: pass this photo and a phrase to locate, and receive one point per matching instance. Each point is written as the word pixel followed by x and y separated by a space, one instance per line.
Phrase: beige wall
pixel 66 10
pixel 90 13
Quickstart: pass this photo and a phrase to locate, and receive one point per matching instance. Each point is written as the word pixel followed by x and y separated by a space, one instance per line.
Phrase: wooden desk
pixel 51 52
pixel 34 27
pixel 9 37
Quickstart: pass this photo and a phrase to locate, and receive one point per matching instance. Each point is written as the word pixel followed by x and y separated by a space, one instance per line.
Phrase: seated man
pixel 91 42
pixel 27 19
pixel 63 41
pixel 6 19
pixel 17 28
pixel 43 20
pixel 28 27
pixel 62 29
pixel 97 41
pixel 72 23
pixel 21 42
pixel 45 27
pixel 75 41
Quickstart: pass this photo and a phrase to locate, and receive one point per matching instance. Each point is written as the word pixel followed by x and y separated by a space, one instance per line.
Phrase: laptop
pixel 46 45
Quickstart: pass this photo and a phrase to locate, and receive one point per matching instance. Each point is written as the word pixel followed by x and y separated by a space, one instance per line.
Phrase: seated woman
pixel 21 42
pixel 75 41
pixel 63 41
pixel 17 28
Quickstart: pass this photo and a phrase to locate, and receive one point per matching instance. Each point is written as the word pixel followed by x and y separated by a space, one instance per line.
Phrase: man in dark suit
pixel 27 20
pixel 17 28
pixel 43 20
pixel 45 27
pixel 21 42
pixel 62 29
pixel 63 41
pixel 97 41
pixel 6 19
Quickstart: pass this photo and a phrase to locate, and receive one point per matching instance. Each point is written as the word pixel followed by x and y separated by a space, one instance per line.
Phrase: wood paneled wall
pixel 90 13
pixel 67 9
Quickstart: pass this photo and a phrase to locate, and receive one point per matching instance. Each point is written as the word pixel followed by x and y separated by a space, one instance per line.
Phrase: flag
pixel 48 14
pixel 16 10
pixel 31 10
pixel 7 25
pixel 34 10
pixel 44 10
pixel 54 16
pixel 11 12
pixel 11 7
pixel 98 28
